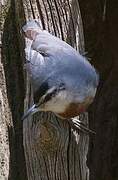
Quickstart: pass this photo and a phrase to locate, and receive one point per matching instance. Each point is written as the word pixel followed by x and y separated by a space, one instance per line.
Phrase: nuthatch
pixel 63 81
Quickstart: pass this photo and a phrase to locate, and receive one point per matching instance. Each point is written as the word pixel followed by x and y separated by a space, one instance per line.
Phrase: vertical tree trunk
pixel 13 80
pixel 5 115
pixel 53 150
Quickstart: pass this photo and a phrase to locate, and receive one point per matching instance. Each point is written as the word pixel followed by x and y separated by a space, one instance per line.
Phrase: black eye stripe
pixel 40 92
pixel 45 91
pixel 49 96
pixel 52 94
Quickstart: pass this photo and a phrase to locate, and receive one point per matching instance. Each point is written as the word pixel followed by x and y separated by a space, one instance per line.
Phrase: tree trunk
pixel 13 157
pixel 5 115
pixel 52 149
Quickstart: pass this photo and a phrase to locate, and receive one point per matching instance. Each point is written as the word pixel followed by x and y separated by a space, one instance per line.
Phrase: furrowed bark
pixel 5 114
pixel 52 149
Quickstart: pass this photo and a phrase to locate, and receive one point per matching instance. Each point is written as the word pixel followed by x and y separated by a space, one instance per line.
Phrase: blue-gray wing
pixel 54 61
pixel 35 65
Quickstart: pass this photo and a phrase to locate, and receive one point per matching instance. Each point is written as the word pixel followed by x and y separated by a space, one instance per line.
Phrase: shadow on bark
pixel 13 67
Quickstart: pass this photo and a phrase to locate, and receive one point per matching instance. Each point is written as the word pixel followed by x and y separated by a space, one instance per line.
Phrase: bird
pixel 63 81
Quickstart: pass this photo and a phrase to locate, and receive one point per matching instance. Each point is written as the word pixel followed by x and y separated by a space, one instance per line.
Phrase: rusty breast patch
pixel 74 109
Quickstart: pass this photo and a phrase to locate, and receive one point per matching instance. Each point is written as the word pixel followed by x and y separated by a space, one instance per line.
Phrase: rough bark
pixel 5 115
pixel 13 85
pixel 52 150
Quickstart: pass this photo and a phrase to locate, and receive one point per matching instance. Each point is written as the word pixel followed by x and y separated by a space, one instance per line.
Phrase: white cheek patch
pixel 59 103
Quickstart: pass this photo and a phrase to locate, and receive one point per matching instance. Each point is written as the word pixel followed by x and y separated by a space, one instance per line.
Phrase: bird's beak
pixel 30 112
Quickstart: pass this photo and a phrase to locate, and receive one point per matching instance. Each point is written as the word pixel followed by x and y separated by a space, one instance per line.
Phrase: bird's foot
pixel 78 125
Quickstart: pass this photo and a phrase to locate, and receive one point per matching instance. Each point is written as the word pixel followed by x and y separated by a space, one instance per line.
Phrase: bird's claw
pixel 78 125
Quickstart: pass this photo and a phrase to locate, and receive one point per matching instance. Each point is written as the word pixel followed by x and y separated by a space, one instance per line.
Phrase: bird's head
pixel 53 100
pixel 59 101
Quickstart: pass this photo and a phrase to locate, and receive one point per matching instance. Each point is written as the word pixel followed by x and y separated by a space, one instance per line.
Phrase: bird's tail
pixel 32 24
pixel 31 28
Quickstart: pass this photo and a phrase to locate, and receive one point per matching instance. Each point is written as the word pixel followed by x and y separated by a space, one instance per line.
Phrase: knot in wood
pixel 46 139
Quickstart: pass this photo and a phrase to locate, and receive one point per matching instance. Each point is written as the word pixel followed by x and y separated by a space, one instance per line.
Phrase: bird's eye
pixel 53 93
pixel 45 94
pixel 40 92
pixel 62 86
pixel 50 95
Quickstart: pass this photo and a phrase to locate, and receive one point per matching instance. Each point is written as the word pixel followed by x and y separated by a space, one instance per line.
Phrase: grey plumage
pixel 52 62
